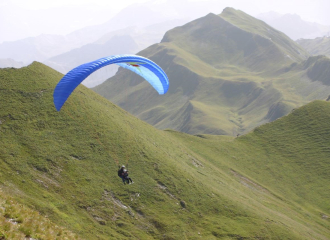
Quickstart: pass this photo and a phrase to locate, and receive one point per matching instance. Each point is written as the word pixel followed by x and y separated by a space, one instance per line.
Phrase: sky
pixel 26 18
pixel 43 4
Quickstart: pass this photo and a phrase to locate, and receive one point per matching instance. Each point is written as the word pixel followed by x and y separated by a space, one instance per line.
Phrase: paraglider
pixel 123 174
pixel 144 67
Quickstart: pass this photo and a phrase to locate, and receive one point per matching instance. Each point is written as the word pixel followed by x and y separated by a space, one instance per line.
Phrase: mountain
pixel 317 46
pixel 90 52
pixel 56 21
pixel 8 62
pixel 31 49
pixel 236 33
pixel 79 45
pixel 272 183
pixel 124 41
pixel 37 48
pixel 144 36
pixel 293 26
pixel 143 17
pixel 228 74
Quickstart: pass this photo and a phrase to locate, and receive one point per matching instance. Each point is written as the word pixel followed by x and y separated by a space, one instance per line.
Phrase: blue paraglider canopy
pixel 144 67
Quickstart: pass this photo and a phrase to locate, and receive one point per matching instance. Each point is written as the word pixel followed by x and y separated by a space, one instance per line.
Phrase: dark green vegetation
pixel 228 74
pixel 272 183
pixel 317 46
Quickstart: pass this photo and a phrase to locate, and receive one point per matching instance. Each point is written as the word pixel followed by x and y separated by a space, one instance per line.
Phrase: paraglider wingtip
pixel 57 107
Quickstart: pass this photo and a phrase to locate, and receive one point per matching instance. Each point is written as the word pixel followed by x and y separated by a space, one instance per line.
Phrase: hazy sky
pixel 65 16
pixel 43 4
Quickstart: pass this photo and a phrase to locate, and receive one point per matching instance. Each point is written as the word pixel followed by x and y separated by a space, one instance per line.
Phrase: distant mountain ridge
pixel 228 74
pixel 129 40
pixel 90 52
pixel 317 46
pixel 43 47
pixel 35 48
pixel 293 26
pixel 5 63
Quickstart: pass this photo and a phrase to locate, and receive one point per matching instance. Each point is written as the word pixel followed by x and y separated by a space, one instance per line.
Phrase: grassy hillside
pixel 287 159
pixel 290 155
pixel 20 222
pixel 228 74
pixel 64 165
pixel 317 46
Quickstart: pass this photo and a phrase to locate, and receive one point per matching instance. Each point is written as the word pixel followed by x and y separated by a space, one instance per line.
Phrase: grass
pixel 17 221
pixel 64 165
pixel 295 169
pixel 256 26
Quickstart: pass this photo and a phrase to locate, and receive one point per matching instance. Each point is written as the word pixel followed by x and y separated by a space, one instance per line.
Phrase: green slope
pixel 282 43
pixel 288 158
pixel 236 38
pixel 317 46
pixel 228 74
pixel 17 221
pixel 63 164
